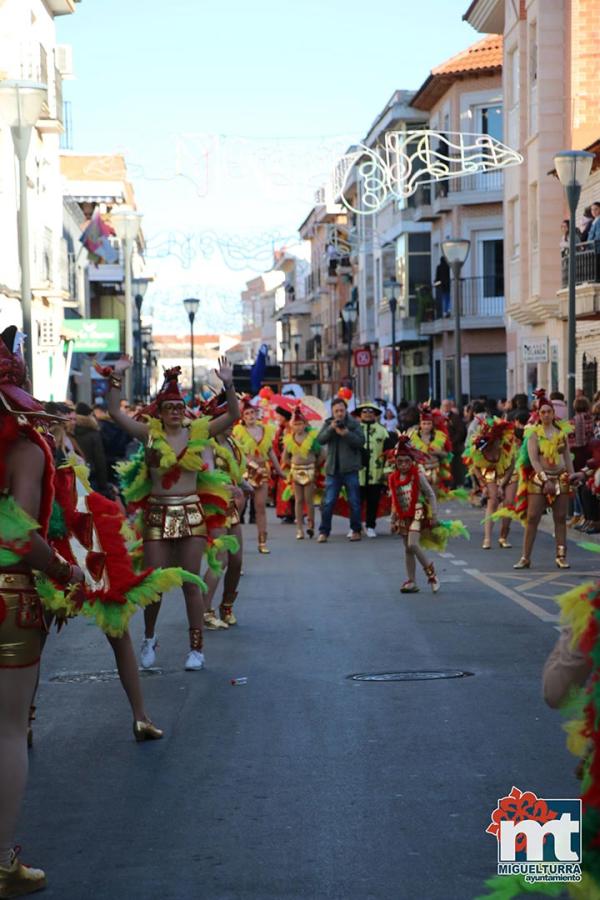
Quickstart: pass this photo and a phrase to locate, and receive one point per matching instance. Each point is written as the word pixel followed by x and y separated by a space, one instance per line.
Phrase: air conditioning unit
pixel 63 58
pixel 48 334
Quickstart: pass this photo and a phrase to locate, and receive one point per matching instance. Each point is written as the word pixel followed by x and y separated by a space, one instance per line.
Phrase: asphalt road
pixel 303 783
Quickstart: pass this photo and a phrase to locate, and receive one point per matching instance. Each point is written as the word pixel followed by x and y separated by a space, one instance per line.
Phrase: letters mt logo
pixel 538 838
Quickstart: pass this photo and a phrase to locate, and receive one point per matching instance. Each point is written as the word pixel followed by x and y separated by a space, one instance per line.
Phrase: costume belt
pixel 21 621
pixel 173 517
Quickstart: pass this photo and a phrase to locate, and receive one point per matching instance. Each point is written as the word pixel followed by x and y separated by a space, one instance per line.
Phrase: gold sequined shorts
pixel 21 622
pixel 490 475
pixel 405 526
pixel 535 485
pixel 257 474
pixel 173 518
pixel 233 514
pixel 303 474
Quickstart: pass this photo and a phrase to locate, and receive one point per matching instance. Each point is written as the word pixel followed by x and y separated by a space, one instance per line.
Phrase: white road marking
pixel 533 608
pixel 446 555
pixel 459 562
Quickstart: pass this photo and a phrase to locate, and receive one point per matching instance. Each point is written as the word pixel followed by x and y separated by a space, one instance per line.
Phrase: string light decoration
pixel 408 159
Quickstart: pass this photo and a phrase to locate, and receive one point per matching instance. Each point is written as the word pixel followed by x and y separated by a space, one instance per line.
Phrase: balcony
pixel 481 306
pixel 587 280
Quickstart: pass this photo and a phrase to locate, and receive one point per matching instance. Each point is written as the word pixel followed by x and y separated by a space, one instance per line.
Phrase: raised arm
pixel 219 424
pixel 113 403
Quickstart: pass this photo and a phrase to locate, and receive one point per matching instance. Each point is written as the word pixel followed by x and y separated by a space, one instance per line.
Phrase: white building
pixel 28 51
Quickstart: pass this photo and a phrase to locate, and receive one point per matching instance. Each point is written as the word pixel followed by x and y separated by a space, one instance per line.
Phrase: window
pixel 419 267
pixel 490 121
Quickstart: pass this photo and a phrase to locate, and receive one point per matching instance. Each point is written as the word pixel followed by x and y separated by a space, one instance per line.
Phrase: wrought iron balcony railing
pixel 587 263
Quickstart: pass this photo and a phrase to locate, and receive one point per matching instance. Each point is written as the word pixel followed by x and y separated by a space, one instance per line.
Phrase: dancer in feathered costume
pixel 414 514
pixel 490 458
pixel 545 478
pixel 26 486
pixel 431 438
pixel 227 458
pixel 181 500
pixel 571 682
pixel 302 452
pixel 256 440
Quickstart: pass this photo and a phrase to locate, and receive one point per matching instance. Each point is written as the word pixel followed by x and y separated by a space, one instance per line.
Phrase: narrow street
pixel 303 783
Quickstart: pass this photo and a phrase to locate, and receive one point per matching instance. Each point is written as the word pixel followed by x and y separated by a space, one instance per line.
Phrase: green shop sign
pixel 93 335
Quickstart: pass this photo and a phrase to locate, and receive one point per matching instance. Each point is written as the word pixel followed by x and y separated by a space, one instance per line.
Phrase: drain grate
pixel 410 676
pixel 101 676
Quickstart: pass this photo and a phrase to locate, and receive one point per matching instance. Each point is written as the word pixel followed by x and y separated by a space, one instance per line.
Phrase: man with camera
pixel 343 438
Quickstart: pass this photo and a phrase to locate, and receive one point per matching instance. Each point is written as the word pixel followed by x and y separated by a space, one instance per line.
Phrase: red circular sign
pixel 363 358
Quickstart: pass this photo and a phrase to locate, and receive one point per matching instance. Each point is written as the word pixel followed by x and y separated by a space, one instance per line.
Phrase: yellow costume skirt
pixel 21 621
pixel 303 473
pixel 173 518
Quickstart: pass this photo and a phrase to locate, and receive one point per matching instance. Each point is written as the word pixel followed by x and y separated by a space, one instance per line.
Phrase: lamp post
pixel 191 307
pixel 573 168
pixel 140 286
pixel 127 223
pixel 317 330
pixel 456 251
pixel 391 290
pixel 295 338
pixel 350 315
pixel 20 108
pixel 284 346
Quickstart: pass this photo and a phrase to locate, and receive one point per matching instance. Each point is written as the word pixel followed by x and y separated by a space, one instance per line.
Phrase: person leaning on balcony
pixel 594 232
pixel 585 223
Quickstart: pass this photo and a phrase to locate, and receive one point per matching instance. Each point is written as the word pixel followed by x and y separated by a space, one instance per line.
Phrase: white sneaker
pixel 371 532
pixel 148 652
pixel 195 661
pixel 350 533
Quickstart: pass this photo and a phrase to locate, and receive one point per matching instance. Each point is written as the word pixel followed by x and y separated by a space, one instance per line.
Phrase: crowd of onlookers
pixel 586 231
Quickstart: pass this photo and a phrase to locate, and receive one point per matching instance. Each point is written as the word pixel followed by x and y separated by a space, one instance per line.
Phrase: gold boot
pixel 226 608
pixel 299 533
pixel 262 543
pixel 146 731
pixel 561 557
pixel 523 563
pixel 18 880
pixel 211 622
pixel 502 541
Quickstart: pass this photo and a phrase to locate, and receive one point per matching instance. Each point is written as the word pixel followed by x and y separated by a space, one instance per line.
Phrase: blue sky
pixel 225 112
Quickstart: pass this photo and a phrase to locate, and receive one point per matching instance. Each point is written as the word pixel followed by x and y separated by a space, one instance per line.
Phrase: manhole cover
pixel 104 675
pixel 409 676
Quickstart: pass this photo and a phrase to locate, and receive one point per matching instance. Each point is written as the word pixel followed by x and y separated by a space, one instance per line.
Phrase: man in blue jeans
pixel 344 440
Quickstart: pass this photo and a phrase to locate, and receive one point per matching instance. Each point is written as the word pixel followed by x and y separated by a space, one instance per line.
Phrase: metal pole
pixel 456 267
pixel 394 373
pixel 350 353
pixel 573 192
pixel 192 356
pixel 21 137
pixel 138 369
pixel 128 316
pixel 318 348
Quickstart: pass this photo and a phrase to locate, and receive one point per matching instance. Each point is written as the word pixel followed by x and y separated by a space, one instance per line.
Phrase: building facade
pixel 550 83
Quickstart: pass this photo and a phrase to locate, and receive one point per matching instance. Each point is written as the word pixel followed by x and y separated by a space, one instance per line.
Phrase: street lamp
pixel 573 168
pixel 350 315
pixel 456 251
pixel 140 286
pixel 20 108
pixel 317 330
pixel 295 338
pixel 191 307
pixel 127 223
pixel 391 290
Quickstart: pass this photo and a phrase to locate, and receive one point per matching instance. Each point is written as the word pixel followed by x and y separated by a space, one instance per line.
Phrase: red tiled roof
pixel 483 57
